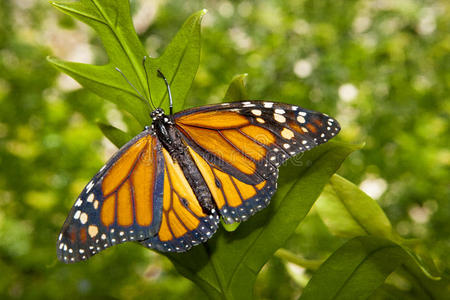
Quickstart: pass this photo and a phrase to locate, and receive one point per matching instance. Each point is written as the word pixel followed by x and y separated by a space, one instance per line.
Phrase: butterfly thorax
pixel 163 126
pixel 172 141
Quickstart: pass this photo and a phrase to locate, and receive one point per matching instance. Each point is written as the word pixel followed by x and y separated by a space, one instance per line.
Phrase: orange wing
pixel 140 195
pixel 123 202
pixel 249 140
pixel 183 223
pixel 241 145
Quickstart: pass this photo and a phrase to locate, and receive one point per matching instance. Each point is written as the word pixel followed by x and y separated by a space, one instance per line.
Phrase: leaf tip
pixel 230 227
pixel 242 76
pixel 355 147
pixel 51 59
pixel 55 4
pixel 54 61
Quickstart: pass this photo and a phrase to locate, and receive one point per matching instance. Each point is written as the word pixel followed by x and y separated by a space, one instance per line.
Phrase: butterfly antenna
pixel 139 94
pixel 148 82
pixel 168 91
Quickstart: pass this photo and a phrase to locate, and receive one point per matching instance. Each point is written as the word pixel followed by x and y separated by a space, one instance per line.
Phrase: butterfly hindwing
pixel 122 202
pixel 236 200
pixel 184 223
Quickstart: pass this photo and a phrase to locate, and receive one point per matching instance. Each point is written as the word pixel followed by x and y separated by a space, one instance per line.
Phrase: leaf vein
pixel 123 45
pixel 358 266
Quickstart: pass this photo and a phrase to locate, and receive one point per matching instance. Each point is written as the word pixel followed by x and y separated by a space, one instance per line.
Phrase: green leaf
pixel 358 268
pixel 115 135
pixel 421 256
pixel 348 212
pixel 422 286
pixel 355 270
pixel 237 89
pixel 112 21
pixel 179 64
pixel 108 84
pixel 227 266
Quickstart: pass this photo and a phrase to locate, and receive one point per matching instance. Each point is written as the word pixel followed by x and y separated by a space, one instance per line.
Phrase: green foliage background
pixel 395 54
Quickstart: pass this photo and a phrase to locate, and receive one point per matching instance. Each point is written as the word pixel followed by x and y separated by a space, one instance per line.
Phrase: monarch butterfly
pixel 168 187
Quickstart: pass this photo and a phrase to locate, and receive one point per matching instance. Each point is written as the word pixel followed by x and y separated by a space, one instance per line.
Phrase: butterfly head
pixel 157 114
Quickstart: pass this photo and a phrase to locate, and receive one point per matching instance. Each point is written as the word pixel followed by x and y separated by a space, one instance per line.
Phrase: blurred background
pixel 382 68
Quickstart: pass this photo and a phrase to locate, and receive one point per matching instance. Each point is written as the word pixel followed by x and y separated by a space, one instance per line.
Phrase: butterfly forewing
pixel 250 139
